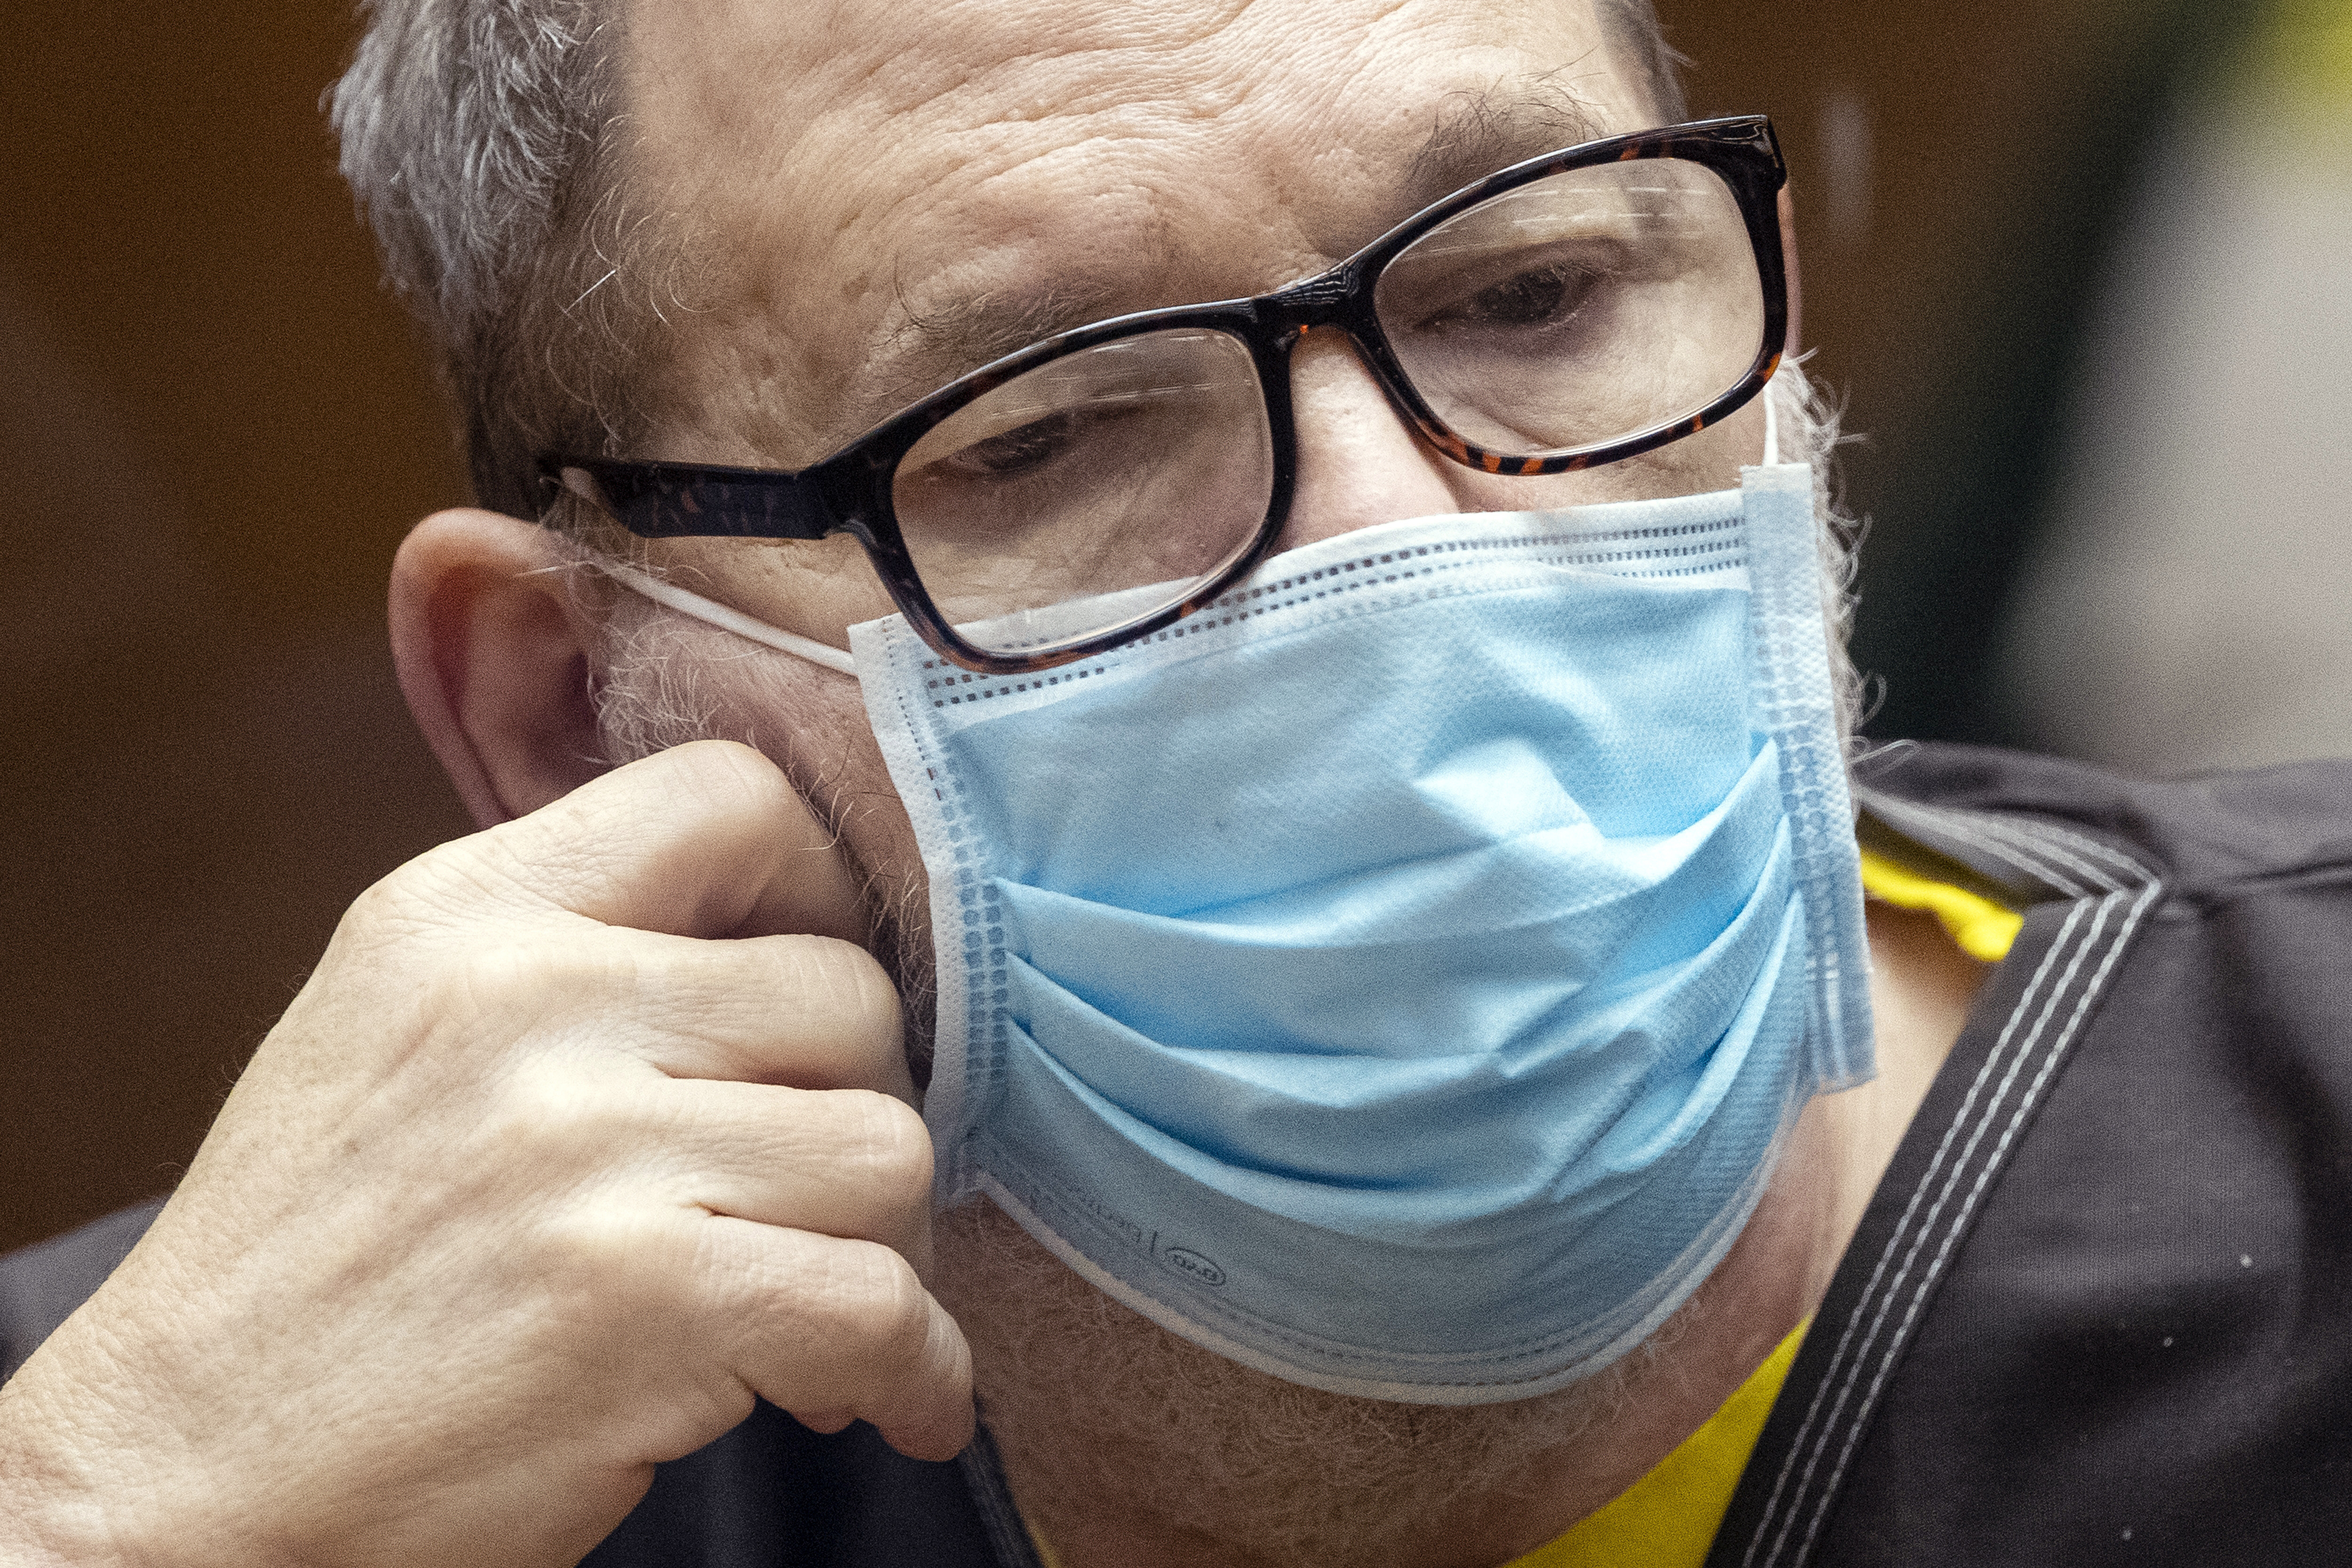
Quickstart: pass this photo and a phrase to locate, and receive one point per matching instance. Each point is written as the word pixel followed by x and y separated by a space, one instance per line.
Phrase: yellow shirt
pixel 1668 1517
pixel 1982 929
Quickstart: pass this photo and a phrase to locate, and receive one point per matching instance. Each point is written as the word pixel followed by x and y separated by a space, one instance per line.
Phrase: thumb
pixel 819 887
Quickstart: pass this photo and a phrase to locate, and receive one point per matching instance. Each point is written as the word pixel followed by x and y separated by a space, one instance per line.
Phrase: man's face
pixel 884 201
pixel 880 203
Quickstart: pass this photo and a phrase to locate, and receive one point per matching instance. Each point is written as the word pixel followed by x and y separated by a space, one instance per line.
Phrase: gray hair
pixel 1632 32
pixel 478 136
pixel 475 136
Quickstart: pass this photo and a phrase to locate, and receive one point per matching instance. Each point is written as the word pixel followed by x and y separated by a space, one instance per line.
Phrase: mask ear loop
pixel 712 613
pixel 1771 424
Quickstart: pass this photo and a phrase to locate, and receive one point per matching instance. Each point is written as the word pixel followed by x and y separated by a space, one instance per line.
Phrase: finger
pixel 848 1163
pixel 825 1422
pixel 699 840
pixel 825 1326
pixel 805 1011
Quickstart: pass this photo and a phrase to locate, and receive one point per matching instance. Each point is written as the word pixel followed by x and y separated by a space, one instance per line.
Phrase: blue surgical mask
pixel 1400 975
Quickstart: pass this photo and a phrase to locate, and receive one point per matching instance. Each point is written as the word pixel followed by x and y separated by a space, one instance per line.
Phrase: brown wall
pixel 215 428
pixel 1960 101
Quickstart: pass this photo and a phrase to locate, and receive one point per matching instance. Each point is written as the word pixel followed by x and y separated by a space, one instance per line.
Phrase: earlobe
pixel 493 656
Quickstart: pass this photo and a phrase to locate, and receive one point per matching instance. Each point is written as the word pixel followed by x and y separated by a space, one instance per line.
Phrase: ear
pixel 1796 277
pixel 493 659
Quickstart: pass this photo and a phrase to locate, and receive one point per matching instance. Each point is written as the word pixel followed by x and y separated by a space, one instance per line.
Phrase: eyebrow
pixel 1479 133
pixel 933 344
pixel 1471 134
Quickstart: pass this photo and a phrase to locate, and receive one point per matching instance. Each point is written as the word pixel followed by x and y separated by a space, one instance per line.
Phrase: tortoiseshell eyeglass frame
pixel 850 491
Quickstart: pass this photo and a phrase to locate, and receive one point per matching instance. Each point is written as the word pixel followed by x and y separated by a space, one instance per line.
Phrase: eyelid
pixel 1017 417
pixel 1413 301
pixel 1123 376
pixel 1481 240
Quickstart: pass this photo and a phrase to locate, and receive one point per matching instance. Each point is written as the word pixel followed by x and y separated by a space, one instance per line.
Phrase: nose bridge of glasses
pixel 1320 301
pixel 1330 303
pixel 1333 301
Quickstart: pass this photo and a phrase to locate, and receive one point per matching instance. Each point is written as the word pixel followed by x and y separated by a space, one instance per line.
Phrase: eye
pixel 1540 297
pixel 1020 451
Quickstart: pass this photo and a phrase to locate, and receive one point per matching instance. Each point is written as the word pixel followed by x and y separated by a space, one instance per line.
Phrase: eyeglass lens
pixel 1086 493
pixel 1578 310
pixel 1133 469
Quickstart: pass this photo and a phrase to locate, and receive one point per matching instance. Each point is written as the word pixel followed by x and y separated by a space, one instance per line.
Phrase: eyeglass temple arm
pixel 680 500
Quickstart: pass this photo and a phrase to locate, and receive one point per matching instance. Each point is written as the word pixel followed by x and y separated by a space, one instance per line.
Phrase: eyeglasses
pixel 1574 309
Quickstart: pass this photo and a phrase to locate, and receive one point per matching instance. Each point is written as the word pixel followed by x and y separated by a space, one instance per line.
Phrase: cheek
pixel 812 723
pixel 827 749
pixel 851 785
pixel 1709 461
pixel 818 588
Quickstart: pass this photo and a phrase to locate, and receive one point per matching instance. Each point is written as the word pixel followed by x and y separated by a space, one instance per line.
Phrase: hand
pixel 538 1183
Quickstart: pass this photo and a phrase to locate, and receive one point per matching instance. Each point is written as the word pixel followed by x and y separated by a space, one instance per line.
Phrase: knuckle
pixel 551 1117
pixel 872 1297
pixel 875 998
pixel 412 902
pixel 456 883
pixel 890 1147
pixel 842 982
pixel 823 970
pixel 578 844
pixel 901 1309
pixel 725 775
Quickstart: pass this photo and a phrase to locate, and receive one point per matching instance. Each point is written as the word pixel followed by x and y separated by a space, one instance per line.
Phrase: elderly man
pixel 1263 892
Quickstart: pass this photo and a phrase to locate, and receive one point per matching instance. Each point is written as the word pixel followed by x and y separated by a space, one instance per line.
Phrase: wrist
pixel 80 1486
pixel 50 1514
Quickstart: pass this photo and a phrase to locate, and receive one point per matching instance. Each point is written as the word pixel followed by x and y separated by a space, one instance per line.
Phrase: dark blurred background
pixel 217 428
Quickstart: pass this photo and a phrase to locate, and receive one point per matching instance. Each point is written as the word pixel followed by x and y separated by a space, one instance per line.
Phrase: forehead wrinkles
pixel 855 123
pixel 861 175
